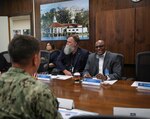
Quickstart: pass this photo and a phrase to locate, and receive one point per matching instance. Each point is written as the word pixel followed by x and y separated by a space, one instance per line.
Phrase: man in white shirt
pixel 103 64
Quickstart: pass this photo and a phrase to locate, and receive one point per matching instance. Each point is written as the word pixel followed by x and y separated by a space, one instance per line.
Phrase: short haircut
pixel 75 37
pixel 22 48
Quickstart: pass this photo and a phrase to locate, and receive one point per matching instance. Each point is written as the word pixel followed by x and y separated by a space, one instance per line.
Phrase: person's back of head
pixel 22 48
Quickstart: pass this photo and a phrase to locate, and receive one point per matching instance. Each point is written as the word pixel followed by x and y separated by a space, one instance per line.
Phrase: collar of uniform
pixel 16 69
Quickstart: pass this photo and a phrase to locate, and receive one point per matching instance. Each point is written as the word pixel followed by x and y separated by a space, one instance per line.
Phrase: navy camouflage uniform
pixel 23 97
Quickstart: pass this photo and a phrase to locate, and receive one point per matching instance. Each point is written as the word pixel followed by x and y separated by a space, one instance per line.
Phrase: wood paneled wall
pixel 117 29
pixel 125 28
pixel 15 7
pixel 142 29
pixel 124 25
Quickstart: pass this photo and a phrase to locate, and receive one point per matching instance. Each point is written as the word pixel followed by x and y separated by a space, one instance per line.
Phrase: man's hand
pixel 101 76
pixel 87 76
pixel 68 73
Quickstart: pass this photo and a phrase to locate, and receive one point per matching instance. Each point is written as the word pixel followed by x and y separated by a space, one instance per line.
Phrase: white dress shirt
pixel 101 62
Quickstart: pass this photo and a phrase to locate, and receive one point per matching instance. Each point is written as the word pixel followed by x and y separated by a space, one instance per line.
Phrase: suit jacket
pixel 53 56
pixel 73 63
pixel 112 62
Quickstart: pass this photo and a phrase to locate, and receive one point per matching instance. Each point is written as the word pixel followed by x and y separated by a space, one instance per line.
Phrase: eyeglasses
pixel 99 46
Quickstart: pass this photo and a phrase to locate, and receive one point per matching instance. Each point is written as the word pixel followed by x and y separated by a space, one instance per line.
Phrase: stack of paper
pixel 91 81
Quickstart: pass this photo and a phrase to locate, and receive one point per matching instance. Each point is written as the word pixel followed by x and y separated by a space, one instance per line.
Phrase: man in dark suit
pixel 103 64
pixel 72 58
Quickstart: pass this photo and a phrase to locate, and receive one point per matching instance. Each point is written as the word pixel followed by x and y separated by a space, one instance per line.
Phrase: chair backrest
pixel 5 62
pixel 6 55
pixel 122 62
pixel 143 66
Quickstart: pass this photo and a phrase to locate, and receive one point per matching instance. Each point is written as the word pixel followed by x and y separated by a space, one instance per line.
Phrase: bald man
pixel 103 64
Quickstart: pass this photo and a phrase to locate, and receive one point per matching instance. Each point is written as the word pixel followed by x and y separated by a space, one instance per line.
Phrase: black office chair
pixel 5 62
pixel 7 56
pixel 122 62
pixel 44 61
pixel 143 66
pixel 121 58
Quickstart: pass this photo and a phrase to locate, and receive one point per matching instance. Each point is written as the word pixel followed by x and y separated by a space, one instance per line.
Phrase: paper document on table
pixel 61 77
pixel 53 76
pixel 134 112
pixel 67 114
pixel 111 82
pixel 66 103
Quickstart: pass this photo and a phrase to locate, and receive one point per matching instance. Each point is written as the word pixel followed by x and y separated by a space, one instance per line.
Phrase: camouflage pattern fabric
pixel 23 97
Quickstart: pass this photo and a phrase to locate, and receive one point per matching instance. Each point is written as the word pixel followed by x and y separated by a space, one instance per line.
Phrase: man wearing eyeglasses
pixel 103 64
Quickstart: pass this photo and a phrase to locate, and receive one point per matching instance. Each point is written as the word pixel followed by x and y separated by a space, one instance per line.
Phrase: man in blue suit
pixel 72 58
pixel 103 64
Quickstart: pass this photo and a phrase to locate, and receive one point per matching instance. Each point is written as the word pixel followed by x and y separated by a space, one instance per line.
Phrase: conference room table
pixel 101 99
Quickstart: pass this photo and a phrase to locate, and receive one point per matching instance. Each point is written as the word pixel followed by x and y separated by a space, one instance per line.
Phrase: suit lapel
pixel 77 57
pixel 106 59
pixel 96 64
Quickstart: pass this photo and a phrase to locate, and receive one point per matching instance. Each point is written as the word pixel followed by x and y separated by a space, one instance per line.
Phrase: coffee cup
pixel 76 76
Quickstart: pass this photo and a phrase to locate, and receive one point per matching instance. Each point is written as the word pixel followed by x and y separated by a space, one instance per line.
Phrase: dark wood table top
pixel 101 99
